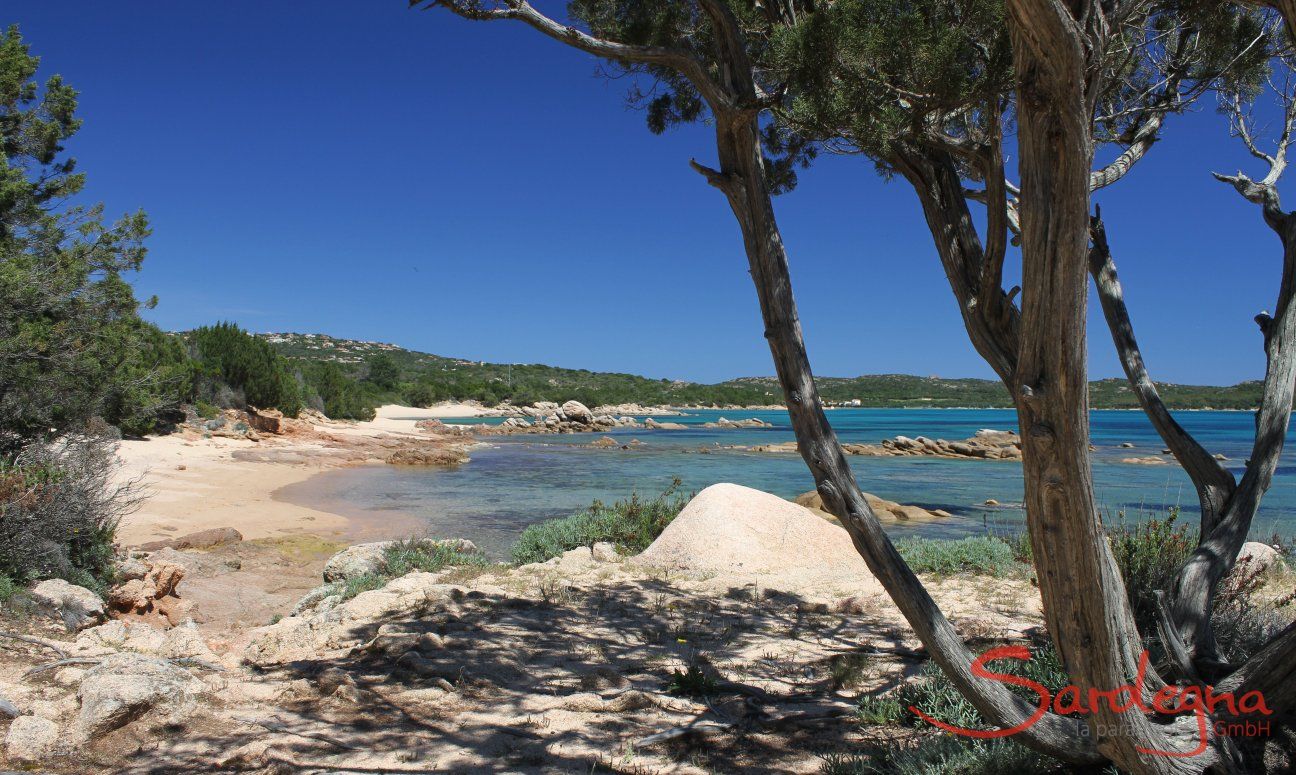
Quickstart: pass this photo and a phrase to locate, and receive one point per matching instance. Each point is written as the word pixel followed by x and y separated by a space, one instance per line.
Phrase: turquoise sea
pixel 517 480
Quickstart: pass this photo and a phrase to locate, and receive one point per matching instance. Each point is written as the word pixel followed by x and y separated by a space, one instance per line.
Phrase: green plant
pixel 360 584
pixel 881 709
pixel 975 554
pixel 422 554
pixel 59 510
pixel 72 344
pixel 206 411
pixel 7 589
pixel 846 670
pixel 407 556
pixel 333 392
pixel 631 525
pixel 1149 554
pixel 943 755
pixel 933 693
pixel 230 356
pixel 692 682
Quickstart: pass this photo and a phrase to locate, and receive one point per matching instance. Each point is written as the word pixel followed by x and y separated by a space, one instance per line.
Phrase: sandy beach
pixel 195 483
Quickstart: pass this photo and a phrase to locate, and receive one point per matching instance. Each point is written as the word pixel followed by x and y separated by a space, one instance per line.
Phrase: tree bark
pixel 1084 597
pixel 1194 586
pixel 741 178
pixel 991 319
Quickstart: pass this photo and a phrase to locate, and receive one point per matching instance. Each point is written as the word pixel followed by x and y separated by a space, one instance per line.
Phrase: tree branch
pixel 1213 481
pixel 680 60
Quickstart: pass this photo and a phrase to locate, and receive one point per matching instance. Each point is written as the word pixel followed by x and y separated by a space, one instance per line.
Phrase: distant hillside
pixel 425 378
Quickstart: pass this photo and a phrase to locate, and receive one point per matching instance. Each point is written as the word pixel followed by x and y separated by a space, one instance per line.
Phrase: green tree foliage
pixel 72 345
pixel 333 392
pixel 384 371
pixel 230 356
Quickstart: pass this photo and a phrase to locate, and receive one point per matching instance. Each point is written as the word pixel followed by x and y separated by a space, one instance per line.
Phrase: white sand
pixel 198 484
pixel 394 418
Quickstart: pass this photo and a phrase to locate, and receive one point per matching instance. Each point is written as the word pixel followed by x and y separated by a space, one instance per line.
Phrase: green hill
pixel 423 378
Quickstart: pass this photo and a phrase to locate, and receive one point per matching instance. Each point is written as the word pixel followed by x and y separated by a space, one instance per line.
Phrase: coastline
pixel 194 483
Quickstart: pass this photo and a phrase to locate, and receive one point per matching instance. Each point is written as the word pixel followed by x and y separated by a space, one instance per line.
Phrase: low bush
pixel 407 556
pixel 7 589
pixel 975 554
pixel 933 693
pixel 944 755
pixel 1244 618
pixel 59 510
pixel 693 682
pixel 1149 554
pixel 630 524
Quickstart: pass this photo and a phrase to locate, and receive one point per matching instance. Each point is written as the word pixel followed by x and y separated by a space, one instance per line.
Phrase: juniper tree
pixel 937 113
pixel 931 101
pixel 72 345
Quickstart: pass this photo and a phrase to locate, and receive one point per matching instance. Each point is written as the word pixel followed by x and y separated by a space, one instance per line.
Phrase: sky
pixel 476 190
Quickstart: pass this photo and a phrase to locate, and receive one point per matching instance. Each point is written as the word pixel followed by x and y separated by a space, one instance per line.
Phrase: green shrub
pixel 249 365
pixel 407 556
pixel 358 584
pixel 340 397
pixel 1149 554
pixel 425 555
pixel 933 693
pixel 693 682
pixel 975 554
pixel 383 371
pixel 426 393
pixel 59 511
pixel 7 589
pixel 630 524
pixel 206 411
pixel 944 755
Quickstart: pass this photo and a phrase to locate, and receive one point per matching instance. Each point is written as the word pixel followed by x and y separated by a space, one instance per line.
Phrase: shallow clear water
pixel 523 479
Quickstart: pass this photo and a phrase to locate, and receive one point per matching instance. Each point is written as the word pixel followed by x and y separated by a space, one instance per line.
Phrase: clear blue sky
pixel 472 189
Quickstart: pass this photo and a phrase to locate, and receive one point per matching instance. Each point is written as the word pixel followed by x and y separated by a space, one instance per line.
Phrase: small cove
pixel 515 481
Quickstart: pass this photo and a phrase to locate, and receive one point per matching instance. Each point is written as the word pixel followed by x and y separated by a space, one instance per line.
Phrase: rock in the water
pixel 577 412
pixel 751 422
pixel 361 559
pixel 1148 460
pixel 203 539
pixel 1259 557
pixel 31 739
pixel 124 687
pixel 664 426
pixel 1126 445
pixel 882 508
pixel 430 456
pixel 78 607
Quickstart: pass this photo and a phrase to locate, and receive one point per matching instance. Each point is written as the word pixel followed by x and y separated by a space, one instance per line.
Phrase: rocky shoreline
pixel 572 417
pixel 986 444
pixel 434 672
